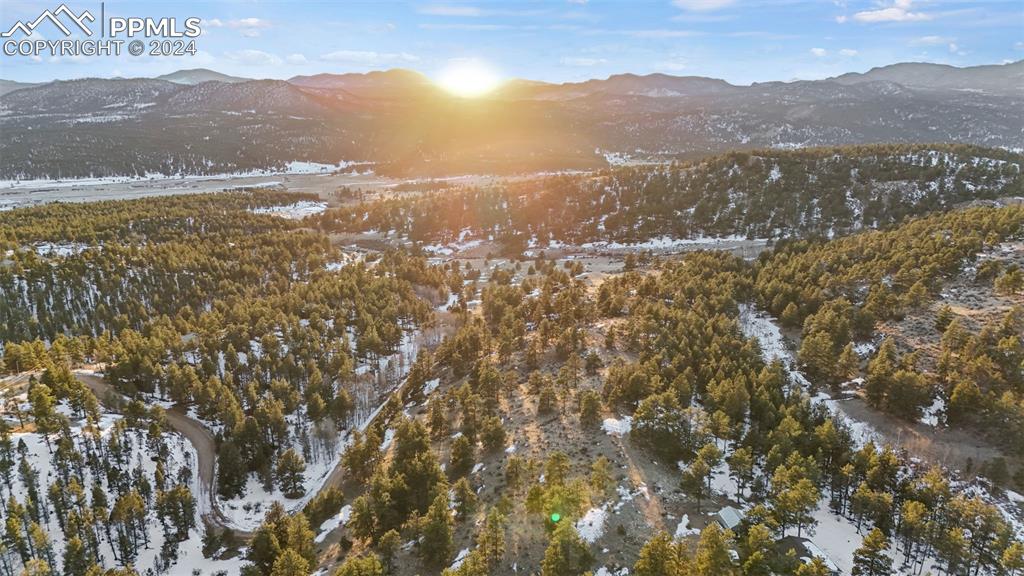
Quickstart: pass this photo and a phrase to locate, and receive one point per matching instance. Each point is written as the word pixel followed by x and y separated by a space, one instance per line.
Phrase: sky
pixel 740 41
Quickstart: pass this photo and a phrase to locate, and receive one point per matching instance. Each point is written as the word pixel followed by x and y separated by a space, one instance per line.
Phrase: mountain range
pixel 200 121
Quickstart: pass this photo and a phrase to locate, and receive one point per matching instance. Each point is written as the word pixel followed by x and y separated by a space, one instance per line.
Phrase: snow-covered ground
pixel 180 459
pixel 332 523
pixel 762 327
pixel 296 211
pixel 837 535
pixel 617 426
pixel 591 525
pixel 61 249
pixel 669 243
pixel 683 529
pixel 293 167
pixel 246 512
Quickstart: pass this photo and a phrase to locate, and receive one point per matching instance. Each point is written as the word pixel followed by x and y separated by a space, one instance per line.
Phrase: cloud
pixel 213 23
pixel 446 10
pixel 296 59
pixel 702 17
pixel 702 5
pixel 248 27
pixel 468 11
pixel 848 52
pixel 368 58
pixel 930 41
pixel 819 52
pixel 1018 46
pixel 253 58
pixel 461 26
pixel 659 33
pixel 578 61
pixel 249 23
pixel 898 12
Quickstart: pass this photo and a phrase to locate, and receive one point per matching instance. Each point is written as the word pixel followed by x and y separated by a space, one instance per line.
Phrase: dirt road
pixel 193 431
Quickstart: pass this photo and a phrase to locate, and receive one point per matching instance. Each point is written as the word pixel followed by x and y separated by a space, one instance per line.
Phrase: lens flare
pixel 468 78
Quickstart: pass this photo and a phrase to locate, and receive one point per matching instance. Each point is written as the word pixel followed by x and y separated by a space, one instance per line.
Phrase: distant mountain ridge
pixel 400 120
pixel 996 78
pixel 200 75
pixel 10 86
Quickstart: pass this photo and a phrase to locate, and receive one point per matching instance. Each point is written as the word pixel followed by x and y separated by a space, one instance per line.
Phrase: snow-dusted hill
pixel 97 127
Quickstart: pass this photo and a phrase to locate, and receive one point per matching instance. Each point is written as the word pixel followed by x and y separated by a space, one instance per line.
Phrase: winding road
pixel 193 431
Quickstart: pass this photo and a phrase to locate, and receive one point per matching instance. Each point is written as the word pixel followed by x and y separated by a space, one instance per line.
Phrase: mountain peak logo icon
pixel 79 20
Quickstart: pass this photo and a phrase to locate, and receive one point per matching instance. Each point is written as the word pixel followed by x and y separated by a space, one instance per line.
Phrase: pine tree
pixel 290 469
pixel 741 469
pixel 465 499
pixel 567 554
pixel 590 408
pixel 943 317
pixel 231 472
pixel 880 371
pixel 490 542
pixel 1013 559
pixel 290 563
pixel 436 543
pixel 660 556
pixel 871 558
pixel 388 546
pixel 368 565
pixel 712 557
pixel 848 364
pixel 76 558
pixel 461 457
pixel 695 480
pixel 816 567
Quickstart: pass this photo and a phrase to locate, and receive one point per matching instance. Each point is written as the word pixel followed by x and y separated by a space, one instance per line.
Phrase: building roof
pixel 729 517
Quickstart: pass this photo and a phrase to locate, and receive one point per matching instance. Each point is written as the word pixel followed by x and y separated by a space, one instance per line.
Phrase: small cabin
pixel 813 551
pixel 729 518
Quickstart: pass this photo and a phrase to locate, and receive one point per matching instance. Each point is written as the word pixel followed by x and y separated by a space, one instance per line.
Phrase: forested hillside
pixel 758 194
pixel 268 337
pixel 838 291
pixel 250 395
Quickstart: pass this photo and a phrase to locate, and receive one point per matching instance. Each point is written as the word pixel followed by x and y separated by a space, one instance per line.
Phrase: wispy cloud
pixel 899 11
pixel 253 58
pixel 447 10
pixel 582 61
pixel 464 26
pixel 848 52
pixel 930 40
pixel 470 11
pixel 819 52
pixel 248 27
pixel 702 5
pixel 651 33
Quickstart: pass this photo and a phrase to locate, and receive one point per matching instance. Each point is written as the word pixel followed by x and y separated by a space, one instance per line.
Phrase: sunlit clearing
pixel 468 78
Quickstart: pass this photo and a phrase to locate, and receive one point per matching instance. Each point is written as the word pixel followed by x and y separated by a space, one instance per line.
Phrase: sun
pixel 468 78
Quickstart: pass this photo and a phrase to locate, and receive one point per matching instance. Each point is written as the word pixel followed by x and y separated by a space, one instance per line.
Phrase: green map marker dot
pixel 556 517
